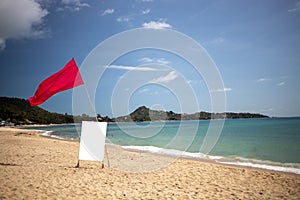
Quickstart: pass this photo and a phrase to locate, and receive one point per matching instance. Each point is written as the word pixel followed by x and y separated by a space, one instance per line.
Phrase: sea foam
pixel 51 135
pixel 282 167
pixel 46 133
pixel 264 166
pixel 171 152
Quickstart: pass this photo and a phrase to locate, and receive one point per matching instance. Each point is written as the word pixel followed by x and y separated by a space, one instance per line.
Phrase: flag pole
pixel 90 101
pixel 94 110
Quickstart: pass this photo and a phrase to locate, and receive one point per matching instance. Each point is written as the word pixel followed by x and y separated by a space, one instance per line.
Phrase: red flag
pixel 67 78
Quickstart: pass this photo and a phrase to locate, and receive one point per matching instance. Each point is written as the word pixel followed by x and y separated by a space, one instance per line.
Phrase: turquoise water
pixel 273 141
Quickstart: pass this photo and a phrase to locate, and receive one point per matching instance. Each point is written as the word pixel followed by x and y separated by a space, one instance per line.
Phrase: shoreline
pixel 224 161
pixel 43 125
pixel 37 167
pixel 260 164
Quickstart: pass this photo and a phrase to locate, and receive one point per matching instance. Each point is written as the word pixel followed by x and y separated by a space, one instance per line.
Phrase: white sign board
pixel 92 141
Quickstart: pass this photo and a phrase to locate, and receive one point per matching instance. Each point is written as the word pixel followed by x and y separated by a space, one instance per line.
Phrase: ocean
pixel 272 143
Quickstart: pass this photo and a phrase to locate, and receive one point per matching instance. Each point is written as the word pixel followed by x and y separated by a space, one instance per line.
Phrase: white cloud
pixel 146 11
pixel 222 90
pixel 156 25
pixel 263 79
pixel 190 81
pixel 194 81
pixel 20 19
pixel 216 41
pixel 123 19
pixel 227 89
pixel 148 91
pixel 167 78
pixel 284 77
pixel 161 61
pixel 296 7
pixel 108 11
pixel 281 83
pixel 74 5
pixel 147 0
pixel 130 68
pixel 144 90
pixel 146 60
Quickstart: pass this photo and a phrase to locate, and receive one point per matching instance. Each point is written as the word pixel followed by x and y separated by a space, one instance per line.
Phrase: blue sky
pixel 254 44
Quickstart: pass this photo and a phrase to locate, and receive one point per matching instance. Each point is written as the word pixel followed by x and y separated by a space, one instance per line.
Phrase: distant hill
pixel 19 111
pixel 145 114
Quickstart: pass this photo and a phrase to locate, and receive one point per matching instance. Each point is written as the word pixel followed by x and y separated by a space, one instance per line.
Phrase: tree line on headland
pixel 145 114
pixel 18 111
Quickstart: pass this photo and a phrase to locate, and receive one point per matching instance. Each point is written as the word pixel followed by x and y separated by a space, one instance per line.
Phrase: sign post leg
pixel 77 166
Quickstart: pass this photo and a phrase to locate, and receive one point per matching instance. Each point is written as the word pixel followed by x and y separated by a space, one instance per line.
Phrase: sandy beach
pixel 34 167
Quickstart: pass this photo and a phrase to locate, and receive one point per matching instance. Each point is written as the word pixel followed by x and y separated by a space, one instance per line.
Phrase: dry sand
pixel 33 167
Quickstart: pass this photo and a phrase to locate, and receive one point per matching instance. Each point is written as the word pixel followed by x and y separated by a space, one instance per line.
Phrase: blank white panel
pixel 92 140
